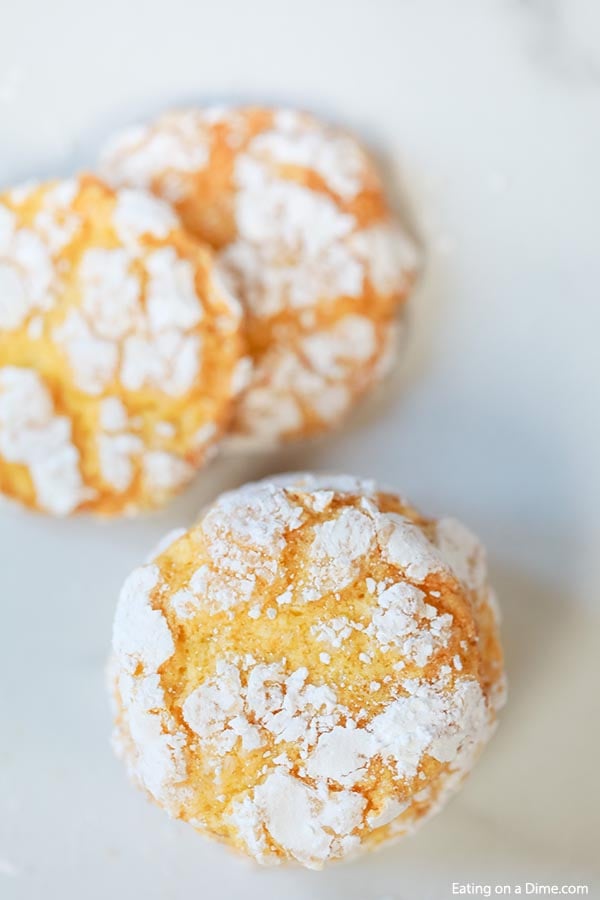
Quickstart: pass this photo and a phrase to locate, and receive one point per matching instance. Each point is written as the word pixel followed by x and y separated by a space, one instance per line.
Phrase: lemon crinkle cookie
pixel 310 671
pixel 120 349
pixel 296 211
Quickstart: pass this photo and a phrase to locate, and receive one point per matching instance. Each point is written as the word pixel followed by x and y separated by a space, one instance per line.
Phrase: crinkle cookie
pixel 297 213
pixel 120 351
pixel 310 671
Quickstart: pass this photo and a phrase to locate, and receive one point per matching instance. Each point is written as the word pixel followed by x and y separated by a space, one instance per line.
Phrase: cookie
pixel 310 671
pixel 296 212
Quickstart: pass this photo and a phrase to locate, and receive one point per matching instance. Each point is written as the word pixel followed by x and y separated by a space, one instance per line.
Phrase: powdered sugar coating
pixel 118 317
pixel 403 617
pixel 312 825
pixel 338 546
pixel 136 156
pixel 26 275
pixel 142 642
pixel 32 435
pixel 463 551
pixel 321 662
pixel 296 210
pixel 141 339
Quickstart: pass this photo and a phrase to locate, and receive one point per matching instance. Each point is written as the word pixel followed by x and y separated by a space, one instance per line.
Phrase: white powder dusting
pixel 164 472
pixel 93 359
pixel 112 335
pixel 286 597
pixel 121 452
pixel 32 435
pixel 334 631
pixel 35 328
pixel 245 530
pixel 391 810
pixel 111 292
pixel 179 142
pixel 168 361
pixel 241 376
pixel 27 279
pixel 141 637
pixel 113 415
pixel 342 755
pixel 404 544
pixel 335 352
pixel 403 619
pixel 429 720
pixel 140 633
pixel 158 764
pixel 184 604
pixel 219 710
pixel 296 249
pixel 117 447
pixel 389 255
pixel 319 501
pixel 463 552
pixel 172 300
pixel 210 707
pixel 217 590
pixel 56 222
pixel 308 824
pixel 290 249
pixel 287 707
pixel 299 140
pixel 336 552
pixel 312 484
pixel 138 213
pixel 165 430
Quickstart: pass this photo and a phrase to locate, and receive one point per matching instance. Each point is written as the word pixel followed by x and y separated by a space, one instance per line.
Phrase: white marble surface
pixel 488 115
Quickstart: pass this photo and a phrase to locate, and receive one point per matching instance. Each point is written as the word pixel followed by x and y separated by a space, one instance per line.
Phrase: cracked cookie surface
pixel 310 671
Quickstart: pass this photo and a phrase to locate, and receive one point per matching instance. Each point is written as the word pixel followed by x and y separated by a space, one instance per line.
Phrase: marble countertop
pixel 487 117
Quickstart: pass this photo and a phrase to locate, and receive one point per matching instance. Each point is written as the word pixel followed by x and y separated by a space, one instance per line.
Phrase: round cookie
pixel 310 671
pixel 120 350
pixel 296 211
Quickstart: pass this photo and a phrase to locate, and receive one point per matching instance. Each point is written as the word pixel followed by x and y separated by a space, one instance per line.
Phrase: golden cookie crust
pixel 296 211
pixel 121 352
pixel 308 672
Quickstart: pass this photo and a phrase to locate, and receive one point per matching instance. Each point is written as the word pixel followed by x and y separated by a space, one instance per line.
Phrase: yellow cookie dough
pixel 310 671
pixel 296 211
pixel 121 353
